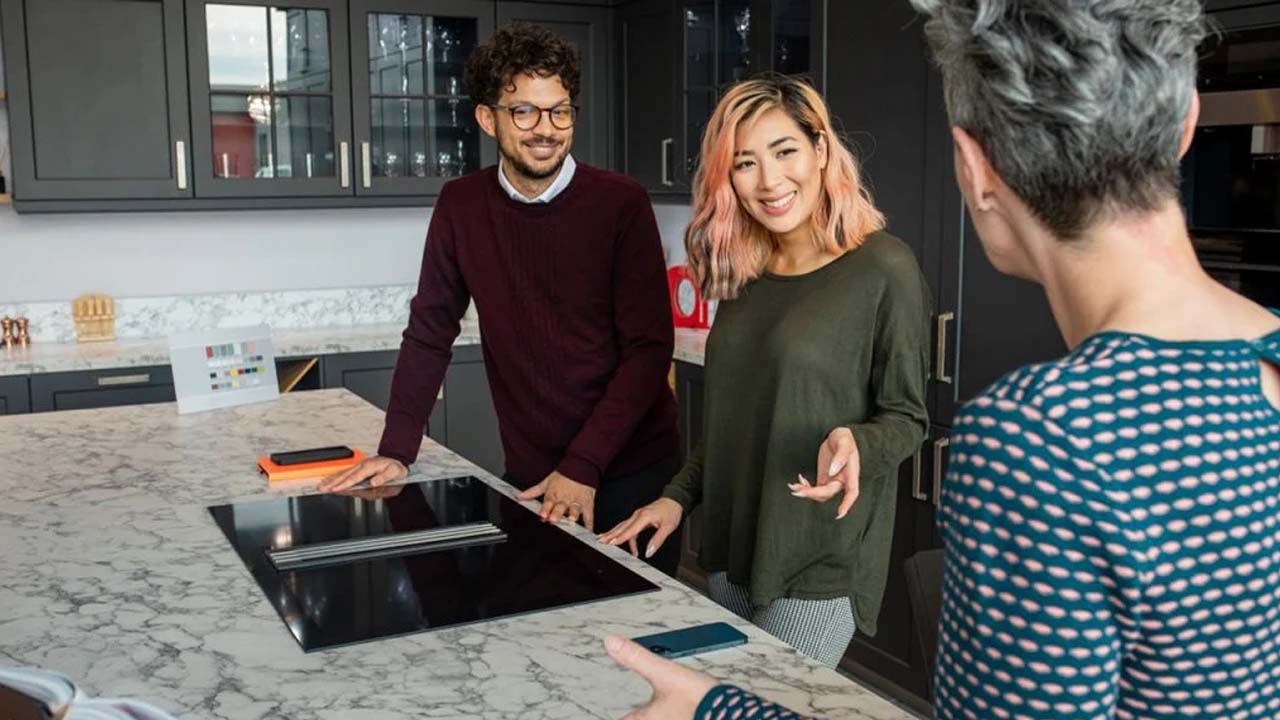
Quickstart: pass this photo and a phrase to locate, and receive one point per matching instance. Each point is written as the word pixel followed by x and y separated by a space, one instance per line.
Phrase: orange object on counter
pixel 304 471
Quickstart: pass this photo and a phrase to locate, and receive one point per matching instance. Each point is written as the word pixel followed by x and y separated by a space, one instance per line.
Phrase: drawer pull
pixel 940 363
pixel 180 156
pixel 666 150
pixel 344 163
pixel 938 446
pixel 366 166
pixel 112 380
pixel 916 491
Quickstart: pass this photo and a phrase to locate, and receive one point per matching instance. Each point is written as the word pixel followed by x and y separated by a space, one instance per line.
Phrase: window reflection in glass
pixel 422 124
pixel 237 47
pixel 399 143
pixel 241 136
pixel 270 87
pixel 395 54
pixel 304 137
pixel 300 50
pixel 457 145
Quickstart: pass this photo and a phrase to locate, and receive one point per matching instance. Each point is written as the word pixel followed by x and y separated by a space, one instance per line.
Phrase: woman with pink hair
pixel 815 370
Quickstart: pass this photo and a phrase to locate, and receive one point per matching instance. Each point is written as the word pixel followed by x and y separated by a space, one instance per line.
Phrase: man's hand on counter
pixel 377 470
pixel 564 498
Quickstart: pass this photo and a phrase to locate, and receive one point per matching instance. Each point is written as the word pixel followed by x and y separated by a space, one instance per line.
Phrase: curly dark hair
pixel 520 48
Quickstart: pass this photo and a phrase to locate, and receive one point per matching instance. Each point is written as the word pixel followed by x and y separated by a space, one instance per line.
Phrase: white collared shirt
pixel 556 187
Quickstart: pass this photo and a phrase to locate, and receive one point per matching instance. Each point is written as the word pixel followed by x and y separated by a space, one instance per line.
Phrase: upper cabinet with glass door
pixel 414 123
pixel 723 44
pixel 727 41
pixel 270 98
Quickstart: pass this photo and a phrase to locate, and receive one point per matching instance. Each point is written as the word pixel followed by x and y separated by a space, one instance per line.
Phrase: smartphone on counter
pixel 299 457
pixel 692 640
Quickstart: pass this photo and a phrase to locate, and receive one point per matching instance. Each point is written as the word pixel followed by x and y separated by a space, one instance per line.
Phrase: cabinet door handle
pixel 916 491
pixel 940 353
pixel 938 446
pixel 180 153
pixel 366 166
pixel 344 163
pixel 113 380
pixel 666 174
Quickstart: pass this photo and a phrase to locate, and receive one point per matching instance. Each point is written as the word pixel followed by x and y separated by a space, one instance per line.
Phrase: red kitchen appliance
pixel 687 305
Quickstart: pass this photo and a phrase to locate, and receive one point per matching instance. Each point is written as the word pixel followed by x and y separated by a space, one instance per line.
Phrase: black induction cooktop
pixel 347 568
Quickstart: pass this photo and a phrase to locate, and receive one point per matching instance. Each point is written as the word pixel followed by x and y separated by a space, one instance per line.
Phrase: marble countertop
pixel 63 357
pixel 112 572
pixel 691 345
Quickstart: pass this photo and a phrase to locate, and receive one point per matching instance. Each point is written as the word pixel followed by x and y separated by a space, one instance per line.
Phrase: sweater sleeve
pixel 730 701
pixel 427 347
pixel 899 366
pixel 646 340
pixel 686 487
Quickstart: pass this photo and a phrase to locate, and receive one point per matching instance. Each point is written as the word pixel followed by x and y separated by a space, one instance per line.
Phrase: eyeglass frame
pixel 541 110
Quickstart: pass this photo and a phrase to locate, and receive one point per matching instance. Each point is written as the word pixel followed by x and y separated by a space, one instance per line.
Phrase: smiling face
pixel 777 172
pixel 537 153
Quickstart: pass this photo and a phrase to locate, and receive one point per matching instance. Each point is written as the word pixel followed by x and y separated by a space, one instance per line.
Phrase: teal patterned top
pixel 1112 531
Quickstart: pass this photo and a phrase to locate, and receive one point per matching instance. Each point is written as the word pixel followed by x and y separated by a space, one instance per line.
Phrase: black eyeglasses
pixel 526 116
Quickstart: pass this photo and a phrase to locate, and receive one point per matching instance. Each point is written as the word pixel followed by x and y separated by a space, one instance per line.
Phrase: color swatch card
pixel 224 367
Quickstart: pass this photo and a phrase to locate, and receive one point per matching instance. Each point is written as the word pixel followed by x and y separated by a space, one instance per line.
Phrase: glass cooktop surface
pixel 376 563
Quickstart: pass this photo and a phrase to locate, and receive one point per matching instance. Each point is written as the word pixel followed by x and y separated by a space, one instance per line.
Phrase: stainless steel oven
pixel 1231 175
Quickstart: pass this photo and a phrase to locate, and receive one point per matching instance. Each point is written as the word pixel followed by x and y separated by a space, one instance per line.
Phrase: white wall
pixel 56 257
pixel 672 219
pixel 59 256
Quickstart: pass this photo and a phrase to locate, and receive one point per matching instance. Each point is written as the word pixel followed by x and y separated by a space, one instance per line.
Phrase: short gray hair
pixel 1079 104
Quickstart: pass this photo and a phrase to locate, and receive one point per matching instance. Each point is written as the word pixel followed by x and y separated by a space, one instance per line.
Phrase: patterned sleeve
pixel 728 702
pixel 1040 568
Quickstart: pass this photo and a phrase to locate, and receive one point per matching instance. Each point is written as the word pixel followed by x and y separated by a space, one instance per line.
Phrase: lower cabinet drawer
pixel 101 388
pixel 15 395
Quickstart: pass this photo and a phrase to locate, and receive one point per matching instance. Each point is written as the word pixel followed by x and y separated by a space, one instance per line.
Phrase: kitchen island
pixel 112 572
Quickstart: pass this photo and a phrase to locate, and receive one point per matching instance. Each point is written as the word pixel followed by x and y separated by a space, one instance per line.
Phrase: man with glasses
pixel 564 263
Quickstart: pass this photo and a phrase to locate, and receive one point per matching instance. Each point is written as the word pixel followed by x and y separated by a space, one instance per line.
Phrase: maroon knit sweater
pixel 575 321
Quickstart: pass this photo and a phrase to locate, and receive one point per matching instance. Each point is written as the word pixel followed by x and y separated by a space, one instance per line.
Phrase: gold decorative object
pixel 95 317
pixel 22 336
pixel 7 324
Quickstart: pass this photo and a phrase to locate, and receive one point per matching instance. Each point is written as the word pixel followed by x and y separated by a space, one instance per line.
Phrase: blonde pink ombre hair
pixel 727 248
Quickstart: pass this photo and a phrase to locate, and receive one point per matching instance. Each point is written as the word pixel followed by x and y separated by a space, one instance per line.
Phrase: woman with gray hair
pixel 1111 519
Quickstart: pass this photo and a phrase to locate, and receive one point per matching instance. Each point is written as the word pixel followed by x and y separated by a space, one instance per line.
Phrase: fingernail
pixel 649 551
pixel 613 643
pixel 835 468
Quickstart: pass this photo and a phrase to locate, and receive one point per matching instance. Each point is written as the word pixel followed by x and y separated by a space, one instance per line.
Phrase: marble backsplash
pixel 146 317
